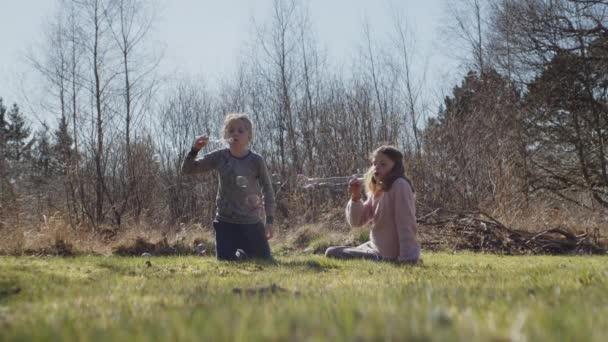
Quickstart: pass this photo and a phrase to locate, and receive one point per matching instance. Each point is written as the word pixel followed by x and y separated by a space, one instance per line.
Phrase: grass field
pixel 451 297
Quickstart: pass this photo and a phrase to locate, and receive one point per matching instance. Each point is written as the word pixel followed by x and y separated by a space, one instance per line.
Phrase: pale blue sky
pixel 204 38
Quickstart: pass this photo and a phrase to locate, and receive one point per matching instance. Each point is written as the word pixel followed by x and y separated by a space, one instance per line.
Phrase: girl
pixel 240 230
pixel 390 207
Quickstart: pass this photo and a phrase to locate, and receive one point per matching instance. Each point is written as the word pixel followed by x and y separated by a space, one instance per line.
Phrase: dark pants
pixel 249 237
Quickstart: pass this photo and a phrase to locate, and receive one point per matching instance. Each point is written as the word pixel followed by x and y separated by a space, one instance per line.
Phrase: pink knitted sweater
pixel 393 217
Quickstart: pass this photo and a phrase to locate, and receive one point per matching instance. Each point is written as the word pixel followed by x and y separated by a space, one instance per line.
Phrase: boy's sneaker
pixel 240 254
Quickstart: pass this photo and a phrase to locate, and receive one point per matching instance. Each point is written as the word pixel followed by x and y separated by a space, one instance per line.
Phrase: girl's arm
pixel 207 163
pixel 269 201
pixel 359 213
pixel 405 220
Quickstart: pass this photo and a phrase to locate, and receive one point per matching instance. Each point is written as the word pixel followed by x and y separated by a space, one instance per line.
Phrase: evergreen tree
pixel 17 146
pixel 3 133
pixel 62 146
pixel 43 174
pixel 472 144
pixel 42 155
pixel 567 125
pixel 4 183
pixel 3 123
pixel 3 136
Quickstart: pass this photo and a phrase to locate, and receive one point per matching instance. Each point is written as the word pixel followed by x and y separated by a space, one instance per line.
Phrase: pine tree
pixel 4 183
pixel 64 157
pixel 471 143
pixel 42 155
pixel 3 133
pixel 567 125
pixel 17 147
pixel 62 146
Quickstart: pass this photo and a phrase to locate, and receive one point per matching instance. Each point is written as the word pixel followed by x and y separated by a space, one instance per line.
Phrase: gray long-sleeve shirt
pixel 242 183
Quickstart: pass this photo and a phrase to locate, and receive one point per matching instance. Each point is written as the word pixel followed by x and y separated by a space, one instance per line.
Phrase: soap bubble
pixel 241 181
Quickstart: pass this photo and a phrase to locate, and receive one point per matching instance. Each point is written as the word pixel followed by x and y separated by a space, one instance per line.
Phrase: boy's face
pixel 238 133
pixel 382 166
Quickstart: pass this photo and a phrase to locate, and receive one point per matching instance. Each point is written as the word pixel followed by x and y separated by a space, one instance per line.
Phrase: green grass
pixel 451 297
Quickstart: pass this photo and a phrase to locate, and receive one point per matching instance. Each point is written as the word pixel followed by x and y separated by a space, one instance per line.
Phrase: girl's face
pixel 382 166
pixel 238 133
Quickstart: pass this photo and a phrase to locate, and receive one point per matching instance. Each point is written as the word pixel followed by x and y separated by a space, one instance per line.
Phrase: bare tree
pixel 412 85
pixel 130 23
pixel 75 84
pixel 59 66
pixel 465 28
pixel 97 50
pixel 312 68
pixel 276 66
pixel 187 111
pixel 93 69
pixel 373 73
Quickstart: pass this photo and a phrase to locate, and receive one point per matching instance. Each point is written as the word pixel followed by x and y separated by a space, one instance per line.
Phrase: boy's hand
pixel 200 142
pixel 354 187
pixel 269 231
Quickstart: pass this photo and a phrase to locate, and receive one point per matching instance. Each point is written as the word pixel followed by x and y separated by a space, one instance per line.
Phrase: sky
pixel 206 38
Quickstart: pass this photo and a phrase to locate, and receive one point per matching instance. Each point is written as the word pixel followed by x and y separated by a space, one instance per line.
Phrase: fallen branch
pixel 479 231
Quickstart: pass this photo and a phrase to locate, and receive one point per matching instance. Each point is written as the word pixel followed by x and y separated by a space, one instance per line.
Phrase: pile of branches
pixel 480 232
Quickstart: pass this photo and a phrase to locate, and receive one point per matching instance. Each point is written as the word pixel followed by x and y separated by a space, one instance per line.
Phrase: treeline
pixel 528 122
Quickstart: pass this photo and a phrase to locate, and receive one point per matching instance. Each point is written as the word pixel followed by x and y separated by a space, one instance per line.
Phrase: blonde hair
pixel 231 117
pixel 398 171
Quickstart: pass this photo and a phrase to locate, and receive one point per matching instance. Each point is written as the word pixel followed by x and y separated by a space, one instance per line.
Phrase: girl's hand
pixel 269 231
pixel 354 187
pixel 200 142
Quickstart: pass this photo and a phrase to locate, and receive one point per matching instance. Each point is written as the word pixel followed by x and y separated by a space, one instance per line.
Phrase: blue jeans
pixel 249 237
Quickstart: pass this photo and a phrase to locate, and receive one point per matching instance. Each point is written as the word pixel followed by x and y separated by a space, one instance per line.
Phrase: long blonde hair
pixel 372 186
